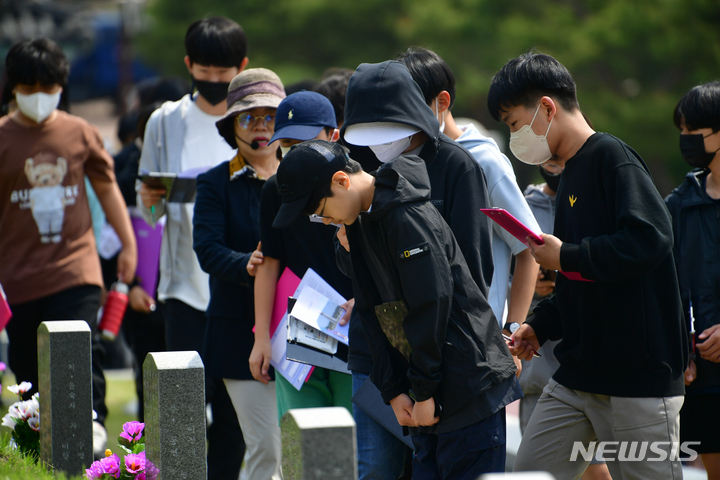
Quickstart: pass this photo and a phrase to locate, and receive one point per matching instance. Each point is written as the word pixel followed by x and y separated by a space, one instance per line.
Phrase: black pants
pixel 144 333
pixel 76 303
pixel 185 330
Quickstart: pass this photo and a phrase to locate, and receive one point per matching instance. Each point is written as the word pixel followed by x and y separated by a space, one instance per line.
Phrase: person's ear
pixel 341 179
pixel 188 63
pixel 335 135
pixel 443 101
pixel 243 64
pixel 547 105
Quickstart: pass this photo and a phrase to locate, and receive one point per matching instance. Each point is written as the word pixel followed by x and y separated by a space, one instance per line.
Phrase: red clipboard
pixel 516 228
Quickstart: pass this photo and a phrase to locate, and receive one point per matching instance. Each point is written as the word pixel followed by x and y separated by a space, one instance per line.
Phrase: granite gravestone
pixel 319 444
pixel 65 386
pixel 174 384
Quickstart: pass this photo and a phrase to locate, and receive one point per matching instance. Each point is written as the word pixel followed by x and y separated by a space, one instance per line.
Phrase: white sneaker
pixel 99 440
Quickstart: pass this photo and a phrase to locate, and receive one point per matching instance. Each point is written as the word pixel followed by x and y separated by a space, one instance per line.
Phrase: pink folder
pixel 5 313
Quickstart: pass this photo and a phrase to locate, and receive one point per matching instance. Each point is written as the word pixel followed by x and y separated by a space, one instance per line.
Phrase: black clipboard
pixel 312 356
pixel 177 189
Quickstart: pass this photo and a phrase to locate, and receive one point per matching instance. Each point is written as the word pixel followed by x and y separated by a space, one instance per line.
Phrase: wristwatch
pixel 511 327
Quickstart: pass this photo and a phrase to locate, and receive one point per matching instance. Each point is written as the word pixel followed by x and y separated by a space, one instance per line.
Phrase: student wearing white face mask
pixel 623 344
pixel 48 263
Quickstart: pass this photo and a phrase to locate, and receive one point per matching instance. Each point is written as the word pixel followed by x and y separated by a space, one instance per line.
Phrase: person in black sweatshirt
pixel 438 355
pixel 617 309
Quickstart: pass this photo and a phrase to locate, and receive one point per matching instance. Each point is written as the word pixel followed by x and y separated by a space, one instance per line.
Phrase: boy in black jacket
pixel 623 349
pixel 435 344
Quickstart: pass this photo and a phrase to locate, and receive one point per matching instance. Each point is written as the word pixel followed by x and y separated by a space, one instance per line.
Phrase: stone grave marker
pixel 65 386
pixel 174 384
pixel 319 444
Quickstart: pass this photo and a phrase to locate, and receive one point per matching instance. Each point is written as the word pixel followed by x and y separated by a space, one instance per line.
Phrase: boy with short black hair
pixel 181 136
pixel 623 348
pixel 49 266
pixel 439 358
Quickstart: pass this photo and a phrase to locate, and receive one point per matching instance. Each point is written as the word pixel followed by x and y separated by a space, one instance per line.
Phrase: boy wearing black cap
pixel 301 116
pixel 439 358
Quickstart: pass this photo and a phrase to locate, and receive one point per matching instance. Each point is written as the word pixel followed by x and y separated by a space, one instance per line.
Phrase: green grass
pixel 13 466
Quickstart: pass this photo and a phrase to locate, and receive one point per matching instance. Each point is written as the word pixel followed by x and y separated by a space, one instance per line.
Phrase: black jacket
pixel 226 230
pixel 696 228
pixel 386 92
pixel 623 334
pixel 404 254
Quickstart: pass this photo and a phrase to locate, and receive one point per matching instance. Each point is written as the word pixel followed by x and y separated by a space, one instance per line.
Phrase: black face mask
pixel 213 92
pixel 692 148
pixel 553 181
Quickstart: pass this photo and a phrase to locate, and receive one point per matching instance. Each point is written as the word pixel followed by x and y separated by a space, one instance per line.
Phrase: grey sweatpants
pixel 564 417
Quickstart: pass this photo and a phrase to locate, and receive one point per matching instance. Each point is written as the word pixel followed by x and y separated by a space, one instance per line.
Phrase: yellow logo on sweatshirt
pixel 573 199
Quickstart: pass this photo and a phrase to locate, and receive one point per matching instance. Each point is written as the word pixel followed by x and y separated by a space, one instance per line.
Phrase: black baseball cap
pixel 305 168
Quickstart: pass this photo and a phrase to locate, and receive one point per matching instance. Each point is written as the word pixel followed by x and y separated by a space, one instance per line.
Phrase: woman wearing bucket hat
pixel 226 235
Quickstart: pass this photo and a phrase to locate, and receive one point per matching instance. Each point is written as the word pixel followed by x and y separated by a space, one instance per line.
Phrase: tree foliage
pixel 632 60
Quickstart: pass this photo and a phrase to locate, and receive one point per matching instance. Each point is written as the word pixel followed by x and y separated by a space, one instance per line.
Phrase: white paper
pixel 318 305
pixel 294 372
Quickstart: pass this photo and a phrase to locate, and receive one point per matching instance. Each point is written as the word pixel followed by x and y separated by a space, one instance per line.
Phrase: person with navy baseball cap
pixel 304 116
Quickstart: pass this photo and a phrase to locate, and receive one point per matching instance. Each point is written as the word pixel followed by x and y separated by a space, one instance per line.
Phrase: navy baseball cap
pixel 305 168
pixel 302 116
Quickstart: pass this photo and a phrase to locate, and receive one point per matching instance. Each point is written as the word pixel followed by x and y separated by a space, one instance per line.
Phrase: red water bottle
pixel 114 311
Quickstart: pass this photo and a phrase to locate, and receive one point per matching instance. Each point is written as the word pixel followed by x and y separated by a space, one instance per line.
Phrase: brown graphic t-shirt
pixel 46 238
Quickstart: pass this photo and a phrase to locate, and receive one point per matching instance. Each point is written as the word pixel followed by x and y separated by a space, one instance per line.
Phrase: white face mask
pixel 442 125
pixel 284 150
pixel 388 151
pixel 38 106
pixel 528 147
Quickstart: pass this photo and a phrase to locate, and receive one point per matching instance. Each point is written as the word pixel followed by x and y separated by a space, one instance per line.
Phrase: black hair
pixel 699 108
pixel 226 130
pixel 38 60
pixel 334 88
pixel 430 72
pixel 527 78
pixel 325 190
pixel 216 41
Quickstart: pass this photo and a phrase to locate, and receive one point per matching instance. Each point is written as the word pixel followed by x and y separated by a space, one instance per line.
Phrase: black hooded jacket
pixel 404 255
pixel 696 229
pixel 386 92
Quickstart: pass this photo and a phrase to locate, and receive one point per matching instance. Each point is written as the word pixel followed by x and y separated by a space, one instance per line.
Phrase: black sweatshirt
pixel 622 335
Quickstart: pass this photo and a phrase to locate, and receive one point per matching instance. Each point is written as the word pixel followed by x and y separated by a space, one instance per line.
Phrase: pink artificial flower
pixel 111 465
pixel 132 431
pixel 95 471
pixel 134 463
pixel 140 476
pixel 151 471
pixel 2 366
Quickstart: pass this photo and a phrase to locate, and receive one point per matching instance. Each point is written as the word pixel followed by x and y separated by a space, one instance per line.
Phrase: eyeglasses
pixel 245 119
pixel 552 168
pixel 322 211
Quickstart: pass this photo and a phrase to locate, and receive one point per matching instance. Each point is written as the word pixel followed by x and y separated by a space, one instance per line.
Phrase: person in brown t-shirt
pixel 49 265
